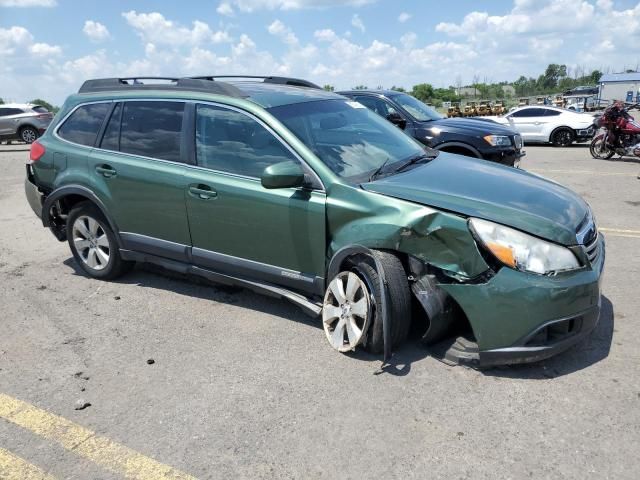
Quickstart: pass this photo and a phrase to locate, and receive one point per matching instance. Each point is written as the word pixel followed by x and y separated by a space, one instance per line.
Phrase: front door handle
pixel 203 192
pixel 106 171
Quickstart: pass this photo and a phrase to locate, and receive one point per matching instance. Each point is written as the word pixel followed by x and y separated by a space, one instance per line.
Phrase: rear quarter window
pixel 83 125
pixel 39 109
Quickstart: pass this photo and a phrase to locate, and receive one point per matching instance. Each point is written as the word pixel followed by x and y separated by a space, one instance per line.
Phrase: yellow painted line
pixel 618 230
pixel 587 172
pixel 86 443
pixel 13 467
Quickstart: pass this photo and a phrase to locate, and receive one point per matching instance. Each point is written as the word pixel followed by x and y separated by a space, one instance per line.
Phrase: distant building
pixel 466 92
pixel 620 86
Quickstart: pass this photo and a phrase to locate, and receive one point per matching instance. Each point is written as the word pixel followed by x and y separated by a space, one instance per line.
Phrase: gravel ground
pixel 245 386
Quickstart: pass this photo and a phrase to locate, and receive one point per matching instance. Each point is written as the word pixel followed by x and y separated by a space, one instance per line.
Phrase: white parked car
pixel 546 124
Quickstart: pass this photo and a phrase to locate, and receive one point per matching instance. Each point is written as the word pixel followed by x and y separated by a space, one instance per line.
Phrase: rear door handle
pixel 203 192
pixel 106 171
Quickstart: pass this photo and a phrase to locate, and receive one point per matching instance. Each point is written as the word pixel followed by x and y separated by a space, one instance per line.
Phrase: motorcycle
pixel 618 133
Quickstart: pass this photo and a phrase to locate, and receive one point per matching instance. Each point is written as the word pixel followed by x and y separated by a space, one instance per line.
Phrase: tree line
pixel 555 79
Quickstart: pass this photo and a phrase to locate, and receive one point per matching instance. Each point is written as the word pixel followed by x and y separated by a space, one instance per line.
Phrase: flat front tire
pixel 352 313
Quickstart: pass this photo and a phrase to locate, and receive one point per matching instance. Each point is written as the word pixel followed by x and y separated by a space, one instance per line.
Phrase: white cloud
pixel 225 9
pixel 403 17
pixel 45 50
pixel 249 6
pixel 96 31
pixel 356 21
pixel 155 28
pixel 279 29
pixel 19 42
pixel 28 3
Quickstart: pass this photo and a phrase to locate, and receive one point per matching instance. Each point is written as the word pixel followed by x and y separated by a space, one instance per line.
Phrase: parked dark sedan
pixel 471 137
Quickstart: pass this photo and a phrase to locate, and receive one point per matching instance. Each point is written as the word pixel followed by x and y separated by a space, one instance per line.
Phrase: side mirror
pixel 283 175
pixel 397 120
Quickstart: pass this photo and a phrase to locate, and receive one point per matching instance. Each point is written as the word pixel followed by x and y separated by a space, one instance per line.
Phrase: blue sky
pixel 48 47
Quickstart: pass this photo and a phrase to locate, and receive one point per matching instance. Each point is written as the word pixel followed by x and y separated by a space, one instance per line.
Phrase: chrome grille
pixel 591 249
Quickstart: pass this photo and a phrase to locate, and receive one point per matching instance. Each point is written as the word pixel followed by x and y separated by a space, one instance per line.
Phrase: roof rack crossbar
pixel 295 82
pixel 173 84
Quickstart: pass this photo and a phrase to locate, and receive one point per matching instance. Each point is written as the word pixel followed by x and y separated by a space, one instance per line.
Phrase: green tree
pixel 361 87
pixel 45 104
pixel 1 101
pixel 329 88
pixel 422 91
pixel 398 89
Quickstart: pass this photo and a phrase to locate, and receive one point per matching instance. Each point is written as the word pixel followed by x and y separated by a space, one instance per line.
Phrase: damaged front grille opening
pixel 554 333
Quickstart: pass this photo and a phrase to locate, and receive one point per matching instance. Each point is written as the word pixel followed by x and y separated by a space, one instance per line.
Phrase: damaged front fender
pixel 440 239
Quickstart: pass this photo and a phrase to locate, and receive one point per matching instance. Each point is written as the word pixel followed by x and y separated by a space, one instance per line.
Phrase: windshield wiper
pixel 417 159
pixel 379 170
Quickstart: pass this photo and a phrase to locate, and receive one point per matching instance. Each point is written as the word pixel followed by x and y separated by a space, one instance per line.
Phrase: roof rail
pixel 295 82
pixel 171 83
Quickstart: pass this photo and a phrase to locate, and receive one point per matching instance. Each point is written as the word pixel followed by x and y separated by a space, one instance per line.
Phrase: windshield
pixel 416 108
pixel 349 138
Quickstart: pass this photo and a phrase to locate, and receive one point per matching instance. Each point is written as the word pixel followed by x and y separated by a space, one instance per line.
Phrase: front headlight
pixel 521 251
pixel 497 140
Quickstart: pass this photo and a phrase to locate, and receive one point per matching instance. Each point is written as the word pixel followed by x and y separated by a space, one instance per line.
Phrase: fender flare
pixel 61 192
pixel 334 268
pixel 460 145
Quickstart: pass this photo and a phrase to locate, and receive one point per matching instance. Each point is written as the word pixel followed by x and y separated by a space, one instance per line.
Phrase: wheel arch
pixel 64 199
pixel 561 127
pixel 449 146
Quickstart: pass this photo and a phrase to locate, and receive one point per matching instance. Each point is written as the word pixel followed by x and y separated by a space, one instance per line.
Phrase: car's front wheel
pixel 93 243
pixel 28 134
pixel 352 313
pixel 563 137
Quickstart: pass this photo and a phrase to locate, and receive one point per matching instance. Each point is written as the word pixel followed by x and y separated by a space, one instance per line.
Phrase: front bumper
pixel 508 156
pixel 519 318
pixel 585 134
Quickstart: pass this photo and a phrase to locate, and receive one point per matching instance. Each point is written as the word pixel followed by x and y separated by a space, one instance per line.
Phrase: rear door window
pixel 83 125
pixel 152 129
pixel 111 138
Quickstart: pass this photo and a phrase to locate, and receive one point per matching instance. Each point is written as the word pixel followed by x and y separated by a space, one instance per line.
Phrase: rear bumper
pixel 33 194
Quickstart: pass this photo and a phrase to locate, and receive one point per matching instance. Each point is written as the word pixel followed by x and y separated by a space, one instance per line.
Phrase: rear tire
pixel 28 134
pixel 563 137
pixel 93 243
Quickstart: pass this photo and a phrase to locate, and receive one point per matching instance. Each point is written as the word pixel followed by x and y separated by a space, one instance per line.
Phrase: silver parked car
pixel 24 122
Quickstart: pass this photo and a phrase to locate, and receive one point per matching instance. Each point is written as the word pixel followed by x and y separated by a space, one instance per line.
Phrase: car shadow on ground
pixel 588 352
pixel 158 278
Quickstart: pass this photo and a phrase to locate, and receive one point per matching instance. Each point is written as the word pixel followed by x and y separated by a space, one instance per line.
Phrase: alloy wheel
pixel 91 242
pixel 29 135
pixel 345 313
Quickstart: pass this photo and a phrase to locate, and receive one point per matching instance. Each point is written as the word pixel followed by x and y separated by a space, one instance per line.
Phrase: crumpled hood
pixel 504 195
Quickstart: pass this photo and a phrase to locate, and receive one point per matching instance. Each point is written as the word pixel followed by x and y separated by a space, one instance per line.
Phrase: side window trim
pixel 315 179
pixel 103 127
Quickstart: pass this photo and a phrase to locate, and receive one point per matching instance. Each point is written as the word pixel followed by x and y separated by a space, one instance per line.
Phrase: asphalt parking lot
pixel 245 386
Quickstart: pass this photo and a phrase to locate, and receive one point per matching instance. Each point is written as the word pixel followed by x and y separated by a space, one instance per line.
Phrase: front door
pixel 138 172
pixel 238 226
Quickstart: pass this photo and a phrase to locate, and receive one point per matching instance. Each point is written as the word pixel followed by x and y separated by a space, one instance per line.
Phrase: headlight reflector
pixel 521 251
pixel 497 140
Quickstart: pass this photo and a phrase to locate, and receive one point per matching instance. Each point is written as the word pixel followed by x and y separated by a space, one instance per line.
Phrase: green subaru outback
pixel 275 185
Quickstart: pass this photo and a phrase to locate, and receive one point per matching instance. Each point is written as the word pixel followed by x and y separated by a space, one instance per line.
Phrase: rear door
pixel 9 120
pixel 138 172
pixel 238 226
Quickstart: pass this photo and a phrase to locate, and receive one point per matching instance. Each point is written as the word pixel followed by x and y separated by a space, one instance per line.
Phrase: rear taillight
pixel 43 116
pixel 37 151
